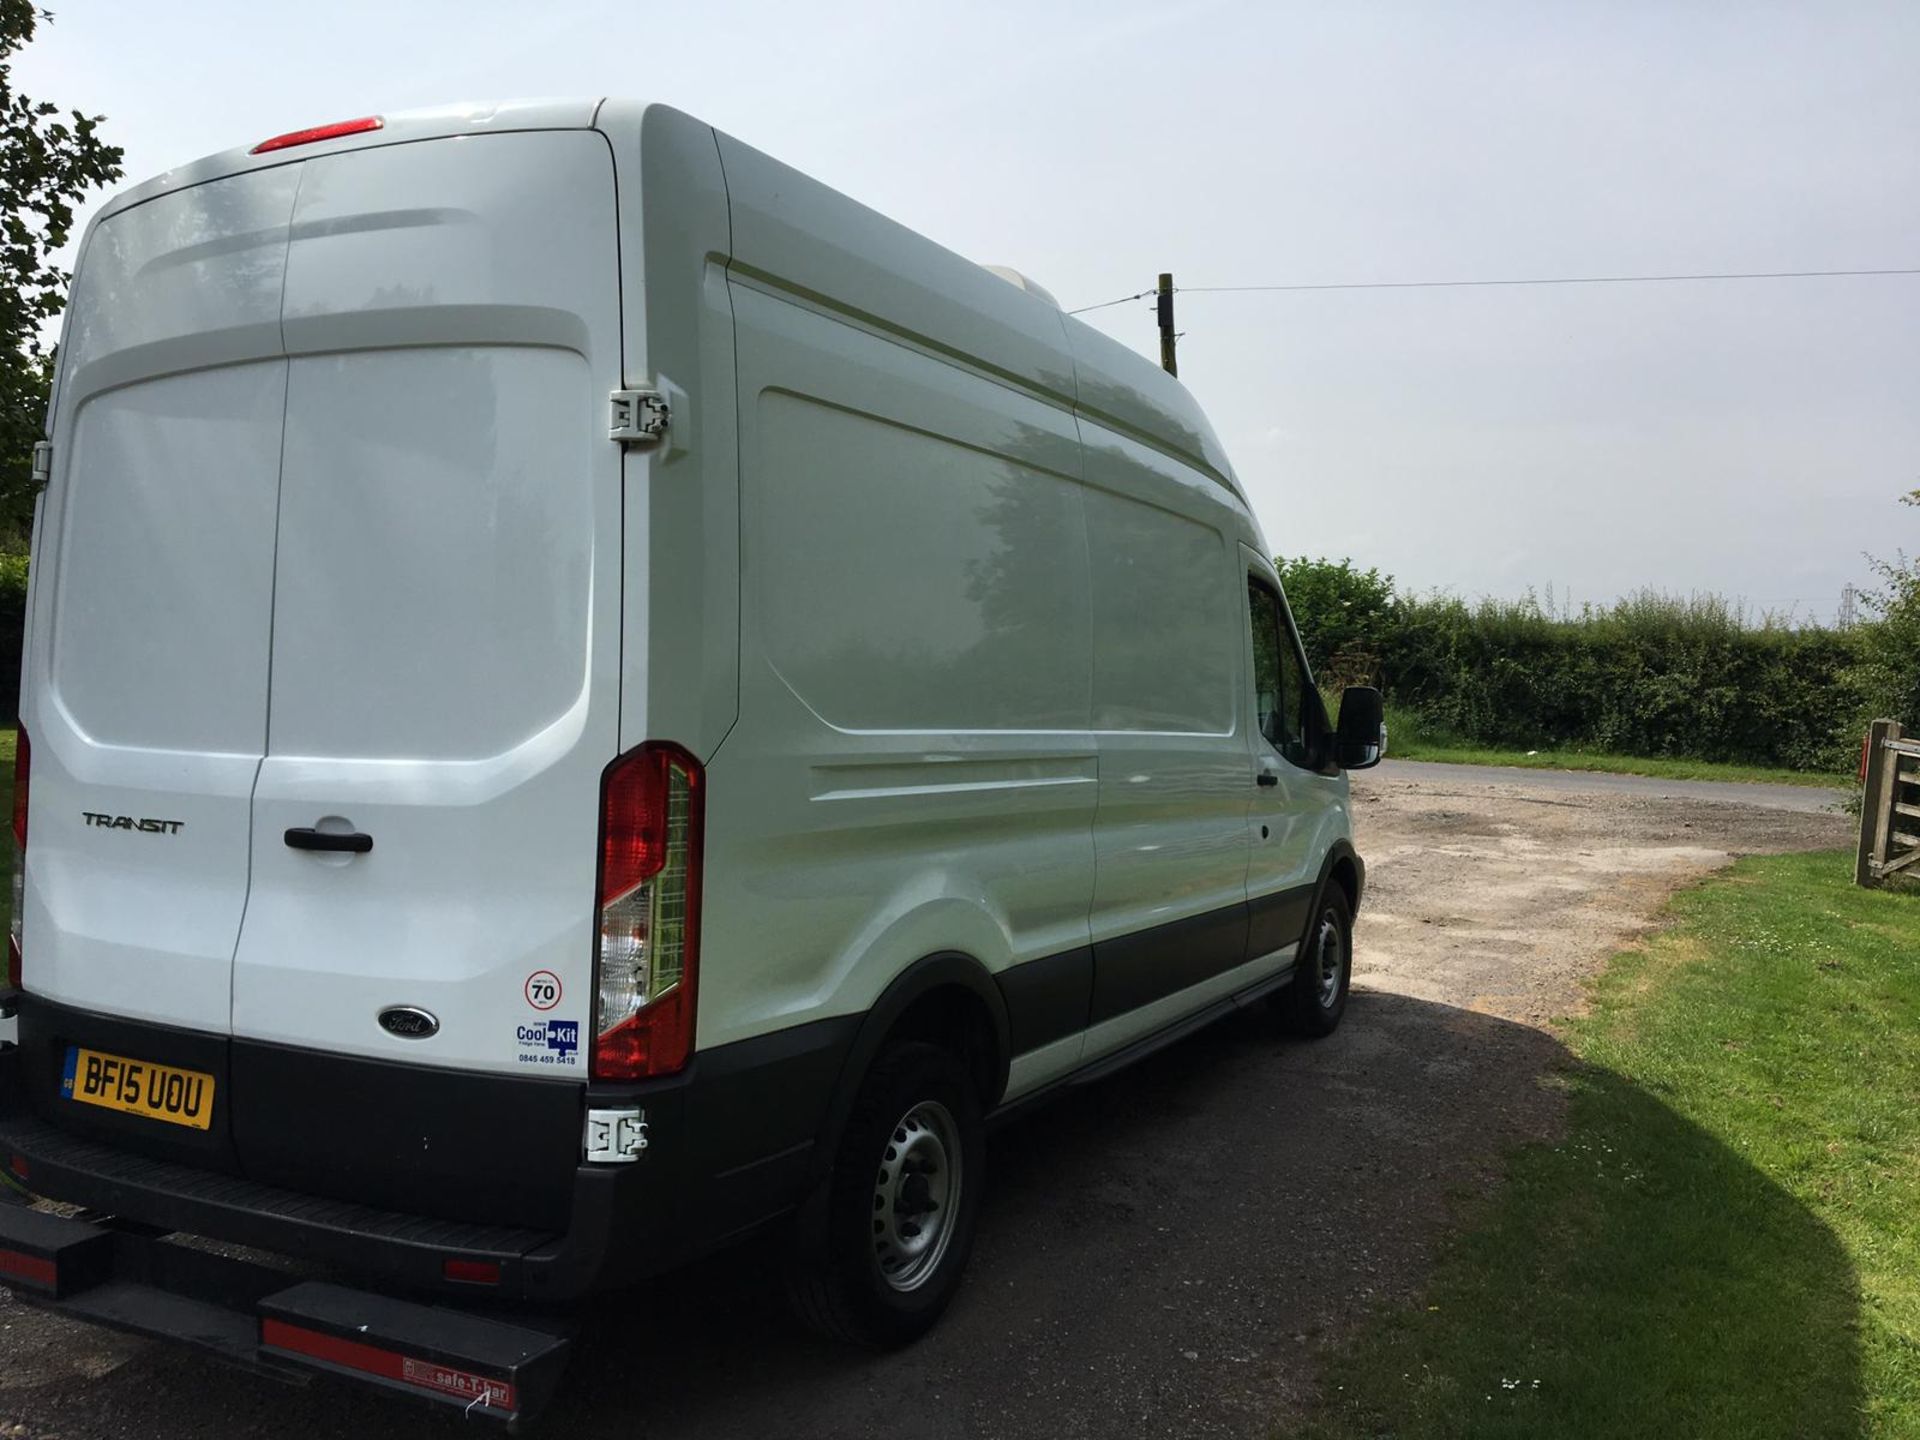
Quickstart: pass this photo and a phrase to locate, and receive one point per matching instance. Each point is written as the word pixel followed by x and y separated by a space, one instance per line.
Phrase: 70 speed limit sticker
pixel 543 990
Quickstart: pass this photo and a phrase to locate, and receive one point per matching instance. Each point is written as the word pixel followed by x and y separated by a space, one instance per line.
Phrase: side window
pixel 1280 703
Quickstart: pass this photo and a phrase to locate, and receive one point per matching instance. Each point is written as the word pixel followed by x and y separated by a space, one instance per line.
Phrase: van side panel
pixel 1161 513
pixel 1123 393
pixel 145 688
pixel 924 585
pixel 911 772
pixel 680 662
pixel 1171 837
pixel 808 237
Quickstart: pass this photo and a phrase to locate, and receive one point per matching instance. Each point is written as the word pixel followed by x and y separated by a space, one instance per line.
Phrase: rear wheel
pixel 1323 971
pixel 902 1204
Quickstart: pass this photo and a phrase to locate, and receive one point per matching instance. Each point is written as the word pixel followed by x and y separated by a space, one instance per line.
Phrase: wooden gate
pixel 1890 816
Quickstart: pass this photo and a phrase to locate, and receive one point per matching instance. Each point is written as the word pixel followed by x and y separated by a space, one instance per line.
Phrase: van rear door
pixel 146 700
pixel 446 611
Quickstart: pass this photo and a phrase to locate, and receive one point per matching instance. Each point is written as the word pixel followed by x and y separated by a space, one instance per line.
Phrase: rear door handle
pixel 301 837
pixel 1265 777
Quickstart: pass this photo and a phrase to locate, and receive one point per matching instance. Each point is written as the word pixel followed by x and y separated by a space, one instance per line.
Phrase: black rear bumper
pixel 429 1166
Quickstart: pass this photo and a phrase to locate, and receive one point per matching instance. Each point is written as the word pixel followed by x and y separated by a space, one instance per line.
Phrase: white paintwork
pixel 446 600
pixel 945 589
pixel 144 685
pixel 911 771
pixel 1171 838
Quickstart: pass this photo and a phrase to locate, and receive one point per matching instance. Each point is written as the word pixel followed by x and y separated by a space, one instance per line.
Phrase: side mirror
pixel 1360 739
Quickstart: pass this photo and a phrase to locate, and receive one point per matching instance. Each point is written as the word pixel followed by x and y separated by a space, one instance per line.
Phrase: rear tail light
pixel 651 805
pixel 318 133
pixel 22 766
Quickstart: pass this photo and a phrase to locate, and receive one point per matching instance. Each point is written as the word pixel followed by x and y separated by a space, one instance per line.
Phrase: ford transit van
pixel 587 697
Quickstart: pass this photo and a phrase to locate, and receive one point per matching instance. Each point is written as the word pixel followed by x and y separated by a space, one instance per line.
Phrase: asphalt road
pixel 1170 1252
pixel 1803 799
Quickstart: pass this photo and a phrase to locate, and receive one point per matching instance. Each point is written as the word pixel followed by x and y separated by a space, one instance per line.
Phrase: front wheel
pixel 1322 972
pixel 902 1204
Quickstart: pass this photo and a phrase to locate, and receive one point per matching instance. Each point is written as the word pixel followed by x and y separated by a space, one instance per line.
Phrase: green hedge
pixel 13 620
pixel 1652 675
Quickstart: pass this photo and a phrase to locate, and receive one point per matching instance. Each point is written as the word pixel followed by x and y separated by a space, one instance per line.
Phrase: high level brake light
pixel 652 801
pixel 22 767
pixel 318 133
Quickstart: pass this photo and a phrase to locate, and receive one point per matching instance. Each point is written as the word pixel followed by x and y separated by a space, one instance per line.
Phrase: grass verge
pixel 1411 737
pixel 1727 1242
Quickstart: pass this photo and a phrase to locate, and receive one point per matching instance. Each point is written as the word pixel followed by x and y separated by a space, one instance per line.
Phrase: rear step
pixel 271 1322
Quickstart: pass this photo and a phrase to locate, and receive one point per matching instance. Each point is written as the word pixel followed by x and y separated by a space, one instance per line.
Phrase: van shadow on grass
pixel 1639 1278
pixel 1185 1248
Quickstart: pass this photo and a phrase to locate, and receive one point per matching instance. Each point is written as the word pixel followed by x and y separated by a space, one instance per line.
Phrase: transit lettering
pixel 147 825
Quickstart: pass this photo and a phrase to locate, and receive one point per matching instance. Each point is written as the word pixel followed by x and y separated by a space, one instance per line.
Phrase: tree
pixel 1340 610
pixel 47 163
pixel 1888 672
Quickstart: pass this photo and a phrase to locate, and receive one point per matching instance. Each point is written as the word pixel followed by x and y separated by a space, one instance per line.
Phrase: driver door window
pixel 1279 678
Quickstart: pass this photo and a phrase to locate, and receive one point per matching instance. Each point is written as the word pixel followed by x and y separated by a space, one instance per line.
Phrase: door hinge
pixel 615 1137
pixel 639 417
pixel 42 464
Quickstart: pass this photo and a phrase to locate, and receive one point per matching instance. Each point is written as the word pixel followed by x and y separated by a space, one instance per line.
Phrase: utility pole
pixel 1167 362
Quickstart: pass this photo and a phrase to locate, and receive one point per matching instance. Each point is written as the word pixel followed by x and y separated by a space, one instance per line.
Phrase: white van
pixel 585 697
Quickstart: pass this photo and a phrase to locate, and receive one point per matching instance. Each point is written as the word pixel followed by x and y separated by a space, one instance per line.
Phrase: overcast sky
pixel 1742 437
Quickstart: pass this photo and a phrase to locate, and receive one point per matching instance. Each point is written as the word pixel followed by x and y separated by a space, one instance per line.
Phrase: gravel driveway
pixel 1161 1254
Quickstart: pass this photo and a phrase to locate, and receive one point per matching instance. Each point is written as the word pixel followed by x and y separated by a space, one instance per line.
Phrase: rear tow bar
pixel 269 1321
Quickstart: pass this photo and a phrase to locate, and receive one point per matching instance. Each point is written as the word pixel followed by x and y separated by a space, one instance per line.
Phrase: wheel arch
pixel 949 996
pixel 1341 866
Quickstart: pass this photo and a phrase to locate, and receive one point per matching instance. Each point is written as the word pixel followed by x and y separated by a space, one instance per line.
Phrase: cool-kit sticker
pixel 549 1042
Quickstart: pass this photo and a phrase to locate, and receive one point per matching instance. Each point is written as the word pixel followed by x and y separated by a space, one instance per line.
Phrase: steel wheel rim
pixel 1329 960
pixel 916 1194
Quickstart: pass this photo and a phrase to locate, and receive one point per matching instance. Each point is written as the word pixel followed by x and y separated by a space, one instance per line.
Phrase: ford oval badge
pixel 409 1022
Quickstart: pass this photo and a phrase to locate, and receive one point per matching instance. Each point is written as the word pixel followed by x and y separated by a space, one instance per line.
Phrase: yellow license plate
pixel 138 1087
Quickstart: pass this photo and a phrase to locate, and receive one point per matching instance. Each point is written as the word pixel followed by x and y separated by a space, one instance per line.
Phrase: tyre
pixel 903 1202
pixel 1313 1004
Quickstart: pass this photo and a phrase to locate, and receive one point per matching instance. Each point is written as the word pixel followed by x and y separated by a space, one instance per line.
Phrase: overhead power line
pixel 1479 284
pixel 1104 304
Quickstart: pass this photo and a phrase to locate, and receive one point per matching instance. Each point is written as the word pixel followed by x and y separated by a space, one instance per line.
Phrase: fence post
pixel 1876 802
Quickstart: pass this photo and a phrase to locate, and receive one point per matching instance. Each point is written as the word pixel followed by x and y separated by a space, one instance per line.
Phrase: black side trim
pixel 1047 999
pixel 1134 970
pixel 1169 1034
pixel 1278 920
